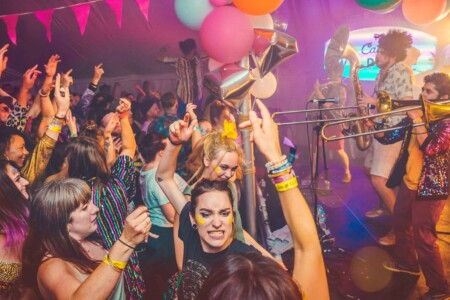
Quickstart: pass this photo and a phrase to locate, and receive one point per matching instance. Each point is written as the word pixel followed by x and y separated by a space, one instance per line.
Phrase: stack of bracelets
pixel 281 173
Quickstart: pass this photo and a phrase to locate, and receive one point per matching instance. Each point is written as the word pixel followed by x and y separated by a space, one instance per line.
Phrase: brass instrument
pixel 329 109
pixel 433 111
pixel 363 141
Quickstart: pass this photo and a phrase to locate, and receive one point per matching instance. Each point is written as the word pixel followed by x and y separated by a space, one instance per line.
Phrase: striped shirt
pixel 189 74
pixel 111 198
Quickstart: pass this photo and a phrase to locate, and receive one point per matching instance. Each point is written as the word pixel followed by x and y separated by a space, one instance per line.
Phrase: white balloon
pixel 265 87
pixel 264 21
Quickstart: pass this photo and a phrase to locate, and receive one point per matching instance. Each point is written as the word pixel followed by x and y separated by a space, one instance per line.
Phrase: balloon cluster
pixel 418 12
pixel 229 32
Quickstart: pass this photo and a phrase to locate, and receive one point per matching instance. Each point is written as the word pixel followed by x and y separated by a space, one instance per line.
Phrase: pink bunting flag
pixel 144 5
pixel 11 23
pixel 116 7
pixel 45 17
pixel 81 13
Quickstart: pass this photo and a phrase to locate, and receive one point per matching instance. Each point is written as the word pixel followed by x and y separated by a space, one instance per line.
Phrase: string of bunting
pixel 80 10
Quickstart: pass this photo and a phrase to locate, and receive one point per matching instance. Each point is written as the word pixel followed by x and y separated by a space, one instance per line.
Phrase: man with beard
pixel 395 79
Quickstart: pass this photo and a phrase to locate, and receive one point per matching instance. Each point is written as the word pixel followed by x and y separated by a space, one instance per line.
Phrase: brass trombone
pixel 330 109
pixel 433 111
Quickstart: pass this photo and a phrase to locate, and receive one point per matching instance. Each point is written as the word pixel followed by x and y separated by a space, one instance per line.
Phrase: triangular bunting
pixel 82 14
pixel 116 7
pixel 11 23
pixel 144 5
pixel 45 17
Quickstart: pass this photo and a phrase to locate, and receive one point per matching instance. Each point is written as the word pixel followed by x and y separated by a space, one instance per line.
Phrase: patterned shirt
pixel 398 84
pixel 111 198
pixel 189 74
pixel 35 166
pixel 18 117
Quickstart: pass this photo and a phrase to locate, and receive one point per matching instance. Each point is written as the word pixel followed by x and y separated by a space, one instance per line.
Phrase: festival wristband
pixel 287 185
pixel 55 128
pixel 116 265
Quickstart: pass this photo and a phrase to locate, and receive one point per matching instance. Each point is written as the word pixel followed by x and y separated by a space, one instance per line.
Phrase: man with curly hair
pixel 395 79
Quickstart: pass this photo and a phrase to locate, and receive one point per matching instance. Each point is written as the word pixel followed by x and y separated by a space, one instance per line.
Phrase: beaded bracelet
pixel 116 265
pixel 287 185
pixel 277 161
pixel 286 171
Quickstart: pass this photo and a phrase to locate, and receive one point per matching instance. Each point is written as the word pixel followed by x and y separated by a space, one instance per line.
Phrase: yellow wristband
pixel 117 265
pixel 287 185
pixel 55 128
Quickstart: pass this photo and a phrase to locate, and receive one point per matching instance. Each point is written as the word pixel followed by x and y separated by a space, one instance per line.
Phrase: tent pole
pixel 248 169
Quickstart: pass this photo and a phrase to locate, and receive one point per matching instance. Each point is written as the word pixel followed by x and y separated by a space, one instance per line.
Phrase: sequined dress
pixel 10 280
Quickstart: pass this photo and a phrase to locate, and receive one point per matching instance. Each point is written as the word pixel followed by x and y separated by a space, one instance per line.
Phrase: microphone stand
pixel 315 176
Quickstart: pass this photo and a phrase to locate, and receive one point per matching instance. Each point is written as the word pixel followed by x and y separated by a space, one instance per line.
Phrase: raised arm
pixel 3 58
pixel 128 140
pixel 28 81
pixel 57 280
pixel 88 94
pixel 309 269
pixel 109 145
pixel 179 132
pixel 196 135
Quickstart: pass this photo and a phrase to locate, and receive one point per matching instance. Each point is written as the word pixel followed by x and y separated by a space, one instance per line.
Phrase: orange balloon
pixel 422 12
pixel 257 7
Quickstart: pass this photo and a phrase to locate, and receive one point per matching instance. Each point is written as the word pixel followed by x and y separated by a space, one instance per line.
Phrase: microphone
pixel 326 100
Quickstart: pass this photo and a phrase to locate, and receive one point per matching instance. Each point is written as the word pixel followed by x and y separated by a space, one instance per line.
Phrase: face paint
pixel 199 219
pixel 216 169
pixel 230 219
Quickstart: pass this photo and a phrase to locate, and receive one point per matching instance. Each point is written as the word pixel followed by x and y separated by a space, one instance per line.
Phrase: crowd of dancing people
pixel 111 195
pixel 107 196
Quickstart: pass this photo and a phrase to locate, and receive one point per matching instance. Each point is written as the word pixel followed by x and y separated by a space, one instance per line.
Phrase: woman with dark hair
pixel 251 277
pixel 13 229
pixel 208 221
pixel 62 254
pixel 113 187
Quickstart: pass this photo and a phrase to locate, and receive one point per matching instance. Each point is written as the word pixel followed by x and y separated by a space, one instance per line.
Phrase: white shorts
pixel 380 159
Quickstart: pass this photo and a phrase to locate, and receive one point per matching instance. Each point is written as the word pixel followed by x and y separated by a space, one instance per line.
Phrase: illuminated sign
pixel 365 40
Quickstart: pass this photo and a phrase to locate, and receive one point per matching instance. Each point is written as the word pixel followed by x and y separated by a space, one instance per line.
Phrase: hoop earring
pixel 194 226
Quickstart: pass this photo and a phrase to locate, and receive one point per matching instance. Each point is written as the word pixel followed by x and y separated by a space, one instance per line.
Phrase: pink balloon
pixel 220 2
pixel 226 34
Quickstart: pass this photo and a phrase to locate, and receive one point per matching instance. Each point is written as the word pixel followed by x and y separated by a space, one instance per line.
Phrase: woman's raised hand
pixel 181 131
pixel 265 132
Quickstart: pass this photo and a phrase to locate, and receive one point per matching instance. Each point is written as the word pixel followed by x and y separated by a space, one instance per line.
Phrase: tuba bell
pixel 363 142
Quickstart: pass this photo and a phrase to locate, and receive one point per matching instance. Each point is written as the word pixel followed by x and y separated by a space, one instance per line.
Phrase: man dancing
pixel 395 79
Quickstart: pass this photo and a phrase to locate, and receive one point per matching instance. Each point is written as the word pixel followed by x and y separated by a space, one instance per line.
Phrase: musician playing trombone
pixel 396 80
pixel 423 190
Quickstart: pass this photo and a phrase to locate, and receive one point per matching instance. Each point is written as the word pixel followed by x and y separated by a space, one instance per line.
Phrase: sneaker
pixel 375 213
pixel 388 239
pixel 435 296
pixel 394 266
